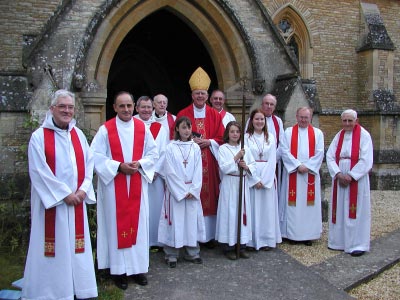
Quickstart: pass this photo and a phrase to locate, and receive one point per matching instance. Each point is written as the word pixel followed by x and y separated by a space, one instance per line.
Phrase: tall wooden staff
pixel 239 220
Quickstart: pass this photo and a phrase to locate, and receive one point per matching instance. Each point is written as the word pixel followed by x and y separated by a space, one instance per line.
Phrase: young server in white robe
pixel 60 262
pixel 125 154
pixel 182 222
pixel 349 159
pixel 302 155
pixel 263 195
pixel 232 156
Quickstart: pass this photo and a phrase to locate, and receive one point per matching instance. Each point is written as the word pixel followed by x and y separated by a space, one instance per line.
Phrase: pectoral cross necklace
pixel 185 160
pixel 260 149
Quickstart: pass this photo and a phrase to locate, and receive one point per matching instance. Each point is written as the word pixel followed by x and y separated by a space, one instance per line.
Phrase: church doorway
pixel 157 56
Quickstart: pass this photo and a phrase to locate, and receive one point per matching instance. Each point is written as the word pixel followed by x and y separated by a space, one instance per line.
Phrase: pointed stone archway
pixel 120 48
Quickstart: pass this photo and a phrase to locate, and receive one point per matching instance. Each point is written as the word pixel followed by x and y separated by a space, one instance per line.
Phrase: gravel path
pixel 385 219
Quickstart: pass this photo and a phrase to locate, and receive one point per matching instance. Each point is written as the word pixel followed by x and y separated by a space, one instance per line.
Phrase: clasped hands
pixel 75 198
pixel 129 168
pixel 344 179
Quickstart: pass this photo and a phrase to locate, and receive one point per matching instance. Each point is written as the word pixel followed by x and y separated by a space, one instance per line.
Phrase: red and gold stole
pixel 155 129
pixel 355 154
pixel 50 214
pixel 127 206
pixel 293 176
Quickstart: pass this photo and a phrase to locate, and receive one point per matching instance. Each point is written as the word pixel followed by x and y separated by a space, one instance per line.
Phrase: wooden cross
pixel 185 162
pixel 260 155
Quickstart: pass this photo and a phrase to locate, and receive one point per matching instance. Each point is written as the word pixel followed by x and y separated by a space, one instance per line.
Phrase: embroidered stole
pixel 127 205
pixel 355 154
pixel 50 214
pixel 293 176
pixel 155 129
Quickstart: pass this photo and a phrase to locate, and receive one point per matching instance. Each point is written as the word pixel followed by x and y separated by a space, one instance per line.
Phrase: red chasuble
pixel 210 127
pixel 222 114
pixel 355 154
pixel 171 123
pixel 50 214
pixel 127 204
pixel 293 176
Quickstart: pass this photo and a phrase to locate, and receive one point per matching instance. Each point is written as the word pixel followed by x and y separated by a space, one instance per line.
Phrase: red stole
pixel 127 206
pixel 171 123
pixel 50 214
pixel 155 129
pixel 293 176
pixel 276 125
pixel 355 154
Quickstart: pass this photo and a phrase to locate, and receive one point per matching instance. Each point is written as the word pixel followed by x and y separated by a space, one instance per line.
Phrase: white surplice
pixel 301 222
pixel 133 260
pixel 264 201
pixel 227 215
pixel 156 188
pixel 163 120
pixel 351 234
pixel 182 222
pixel 67 274
pixel 227 118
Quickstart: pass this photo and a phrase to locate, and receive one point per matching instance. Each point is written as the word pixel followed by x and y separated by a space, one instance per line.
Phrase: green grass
pixel 12 268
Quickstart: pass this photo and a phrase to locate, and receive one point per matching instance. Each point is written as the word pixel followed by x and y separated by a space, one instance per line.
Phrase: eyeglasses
pixel 218 98
pixel 65 107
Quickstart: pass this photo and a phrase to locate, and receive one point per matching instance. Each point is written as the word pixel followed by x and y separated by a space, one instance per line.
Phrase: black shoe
pixel 121 281
pixel 308 243
pixel 230 255
pixel 211 244
pixel 171 263
pixel 140 279
pixel 251 249
pixel 196 260
pixel 244 254
pixel 266 248
pixel 357 253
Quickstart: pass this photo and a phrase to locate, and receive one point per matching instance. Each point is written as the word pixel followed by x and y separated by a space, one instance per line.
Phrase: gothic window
pixel 295 33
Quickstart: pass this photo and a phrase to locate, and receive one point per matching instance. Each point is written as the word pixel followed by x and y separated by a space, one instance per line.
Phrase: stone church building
pixel 329 55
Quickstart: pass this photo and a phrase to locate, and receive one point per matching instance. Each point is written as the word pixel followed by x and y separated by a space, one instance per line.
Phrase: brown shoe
pixel 266 248
pixel 244 254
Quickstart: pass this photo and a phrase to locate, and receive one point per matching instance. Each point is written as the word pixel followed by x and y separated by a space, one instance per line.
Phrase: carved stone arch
pixel 300 33
pixel 229 50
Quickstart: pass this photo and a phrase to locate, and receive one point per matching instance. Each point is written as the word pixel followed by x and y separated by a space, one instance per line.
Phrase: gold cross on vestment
pixel 124 234
pixel 353 208
pixel 292 193
pixel 310 193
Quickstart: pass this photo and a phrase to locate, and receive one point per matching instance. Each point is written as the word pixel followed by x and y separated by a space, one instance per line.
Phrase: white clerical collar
pixel 199 112
pixel 148 122
pixel 159 118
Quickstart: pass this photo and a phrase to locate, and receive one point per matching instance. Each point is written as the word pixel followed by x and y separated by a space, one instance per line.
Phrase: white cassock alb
pixel 68 273
pixel 156 188
pixel 182 222
pixel 133 260
pixel 351 234
pixel 227 117
pixel 163 120
pixel 227 219
pixel 301 222
pixel 264 201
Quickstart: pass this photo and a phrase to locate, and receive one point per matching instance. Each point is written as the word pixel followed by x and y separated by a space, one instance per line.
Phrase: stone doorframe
pixel 229 47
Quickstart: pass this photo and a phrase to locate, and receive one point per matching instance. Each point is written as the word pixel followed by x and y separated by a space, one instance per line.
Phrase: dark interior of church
pixel 158 56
